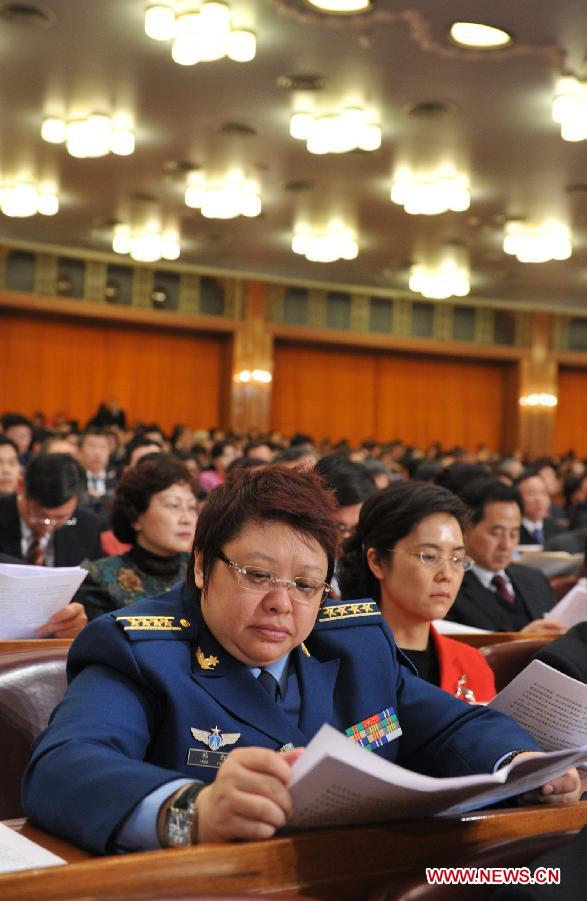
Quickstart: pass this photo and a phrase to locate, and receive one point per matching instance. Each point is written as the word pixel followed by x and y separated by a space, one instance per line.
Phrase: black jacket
pixel 72 543
pixel 568 653
pixel 477 606
pixel 549 530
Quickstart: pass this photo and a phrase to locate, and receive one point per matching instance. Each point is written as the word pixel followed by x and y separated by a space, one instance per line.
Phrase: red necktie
pixel 35 555
pixel 502 589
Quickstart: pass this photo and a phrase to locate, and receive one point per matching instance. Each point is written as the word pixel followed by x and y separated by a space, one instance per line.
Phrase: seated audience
pixel 240 667
pixel 407 553
pixel 221 456
pixel 496 594
pixel 44 525
pixel 352 485
pixel 154 510
pixel 109 413
pixel 9 466
pixel 537 525
pixel 20 430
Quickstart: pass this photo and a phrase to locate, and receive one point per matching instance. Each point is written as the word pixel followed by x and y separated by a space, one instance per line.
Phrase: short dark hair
pixel 386 518
pixel 5 440
pixel 351 482
pixel 11 419
pixel 138 441
pixel 480 492
pixel 152 474
pixel 529 473
pixel 91 431
pixel 53 479
pixel 300 500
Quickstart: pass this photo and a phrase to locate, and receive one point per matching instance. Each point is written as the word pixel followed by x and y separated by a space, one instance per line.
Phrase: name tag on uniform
pixel 215 739
pixel 206 758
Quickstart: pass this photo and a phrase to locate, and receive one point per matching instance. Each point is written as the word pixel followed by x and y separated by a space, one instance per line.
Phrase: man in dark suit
pixel 496 594
pixel 45 526
pixel 537 526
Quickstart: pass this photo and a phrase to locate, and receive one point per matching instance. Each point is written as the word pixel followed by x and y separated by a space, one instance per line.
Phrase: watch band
pixel 512 756
pixel 181 816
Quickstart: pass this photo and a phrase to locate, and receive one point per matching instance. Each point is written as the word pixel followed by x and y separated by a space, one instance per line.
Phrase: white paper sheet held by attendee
pixel 19 853
pixel 446 627
pixel 30 595
pixel 571 609
pixel 549 704
pixel 336 782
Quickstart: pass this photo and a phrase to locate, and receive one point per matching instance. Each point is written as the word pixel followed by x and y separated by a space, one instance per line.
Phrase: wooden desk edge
pixel 321 863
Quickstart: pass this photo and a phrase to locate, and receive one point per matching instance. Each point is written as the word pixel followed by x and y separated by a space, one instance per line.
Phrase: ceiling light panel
pixel 569 108
pixel 200 35
pixel 477 36
pixel 223 197
pixel 430 193
pixel 325 245
pixel 538 243
pixel 352 128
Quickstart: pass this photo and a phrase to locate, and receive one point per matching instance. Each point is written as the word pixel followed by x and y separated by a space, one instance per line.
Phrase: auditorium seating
pixel 32 682
pixel 509 658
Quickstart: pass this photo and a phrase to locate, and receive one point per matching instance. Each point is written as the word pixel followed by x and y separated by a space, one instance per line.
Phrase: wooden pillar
pixel 250 401
pixel 538 375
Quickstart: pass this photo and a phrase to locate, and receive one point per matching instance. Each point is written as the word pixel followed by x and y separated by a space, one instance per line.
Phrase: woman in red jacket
pixel 408 554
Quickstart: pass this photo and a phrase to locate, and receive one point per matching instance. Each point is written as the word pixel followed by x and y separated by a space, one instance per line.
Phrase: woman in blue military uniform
pixel 185 712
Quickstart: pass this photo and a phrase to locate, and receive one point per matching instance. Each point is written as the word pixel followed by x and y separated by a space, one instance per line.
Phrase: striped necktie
pixel 35 556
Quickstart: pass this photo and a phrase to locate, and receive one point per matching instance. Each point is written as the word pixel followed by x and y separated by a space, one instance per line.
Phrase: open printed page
pixel 30 595
pixel 19 853
pixel 571 609
pixel 336 782
pixel 549 704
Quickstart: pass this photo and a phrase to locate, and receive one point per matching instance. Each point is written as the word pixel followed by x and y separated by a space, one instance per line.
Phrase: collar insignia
pixel 206 662
pixel 215 739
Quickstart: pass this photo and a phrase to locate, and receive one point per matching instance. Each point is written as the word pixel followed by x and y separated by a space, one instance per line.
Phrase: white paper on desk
pixel 549 704
pixel 336 783
pixel 30 595
pixel 446 627
pixel 572 608
pixel 19 853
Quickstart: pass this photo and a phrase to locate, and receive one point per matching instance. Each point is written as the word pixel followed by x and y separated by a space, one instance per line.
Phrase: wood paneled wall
pixel 571 412
pixel 69 365
pixel 357 394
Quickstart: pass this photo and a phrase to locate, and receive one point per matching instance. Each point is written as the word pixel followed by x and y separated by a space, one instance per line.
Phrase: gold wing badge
pixel 215 739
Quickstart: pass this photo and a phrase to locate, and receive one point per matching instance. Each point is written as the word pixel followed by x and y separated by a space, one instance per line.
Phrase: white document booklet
pixel 336 783
pixel 549 704
pixel 571 609
pixel 19 853
pixel 30 595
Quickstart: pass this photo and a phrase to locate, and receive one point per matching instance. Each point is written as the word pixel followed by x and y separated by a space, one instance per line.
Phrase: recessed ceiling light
pixel 478 36
pixel 341 7
pixel 301 82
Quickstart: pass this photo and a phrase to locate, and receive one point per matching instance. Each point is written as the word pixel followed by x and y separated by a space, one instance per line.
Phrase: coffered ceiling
pixel 487 113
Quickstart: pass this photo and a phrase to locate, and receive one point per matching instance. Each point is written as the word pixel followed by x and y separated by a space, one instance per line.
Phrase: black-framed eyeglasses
pixel 434 560
pixel 302 589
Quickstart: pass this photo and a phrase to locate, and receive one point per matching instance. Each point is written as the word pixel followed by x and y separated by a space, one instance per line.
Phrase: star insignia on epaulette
pixel 206 662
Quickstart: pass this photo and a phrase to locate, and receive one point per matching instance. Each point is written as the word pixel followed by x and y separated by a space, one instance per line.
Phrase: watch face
pixel 179 827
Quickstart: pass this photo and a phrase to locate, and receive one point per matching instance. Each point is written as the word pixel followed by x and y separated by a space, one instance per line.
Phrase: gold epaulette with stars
pixel 152 623
pixel 351 610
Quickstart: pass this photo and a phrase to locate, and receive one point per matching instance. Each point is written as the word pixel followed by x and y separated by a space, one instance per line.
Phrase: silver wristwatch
pixel 181 816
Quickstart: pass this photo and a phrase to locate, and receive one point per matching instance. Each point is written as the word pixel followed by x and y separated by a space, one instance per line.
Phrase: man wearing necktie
pixel 537 526
pixel 496 594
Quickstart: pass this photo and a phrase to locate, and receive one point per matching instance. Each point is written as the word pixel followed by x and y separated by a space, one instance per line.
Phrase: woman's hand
pixel 66 623
pixel 249 799
pixel 567 789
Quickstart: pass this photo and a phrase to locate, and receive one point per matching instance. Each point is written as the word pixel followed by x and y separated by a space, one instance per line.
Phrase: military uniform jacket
pixel 142 678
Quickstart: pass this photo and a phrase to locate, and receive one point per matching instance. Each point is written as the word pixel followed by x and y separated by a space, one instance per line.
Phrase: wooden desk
pixel 331 864
pixel 483 639
pixel 33 644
